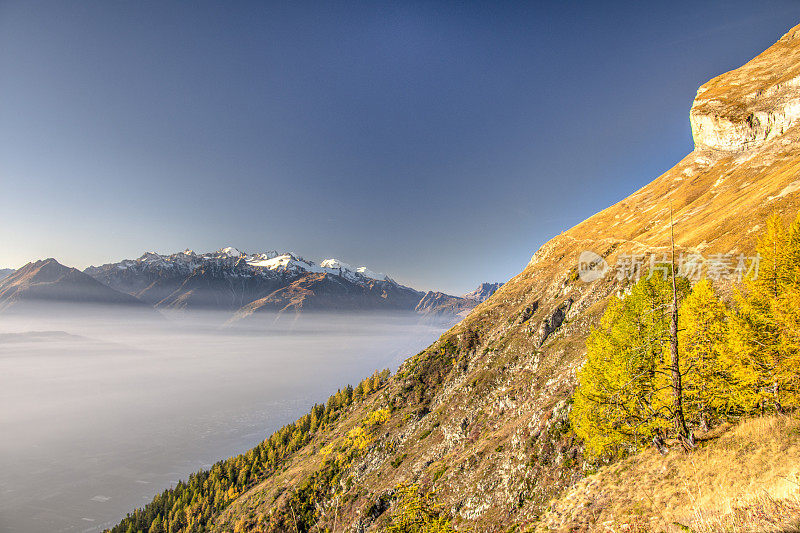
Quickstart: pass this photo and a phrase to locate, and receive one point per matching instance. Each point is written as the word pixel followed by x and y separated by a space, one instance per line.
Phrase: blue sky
pixel 441 143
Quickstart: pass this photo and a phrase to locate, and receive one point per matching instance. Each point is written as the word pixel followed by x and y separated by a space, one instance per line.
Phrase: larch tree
pixel 624 396
pixel 703 335
pixel 764 327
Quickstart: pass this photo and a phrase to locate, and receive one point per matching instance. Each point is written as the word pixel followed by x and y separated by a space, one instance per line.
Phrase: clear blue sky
pixel 440 143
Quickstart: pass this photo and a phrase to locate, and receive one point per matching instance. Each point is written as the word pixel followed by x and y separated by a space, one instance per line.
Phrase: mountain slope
pixel 232 280
pixel 48 281
pixel 330 292
pixel 731 483
pixel 5 272
pixel 481 415
pixel 440 306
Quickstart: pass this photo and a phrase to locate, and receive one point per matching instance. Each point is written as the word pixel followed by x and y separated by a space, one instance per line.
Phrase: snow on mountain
pixel 230 251
pixel 260 262
pixel 229 278
pixel 334 265
pixel 233 280
pixel 284 262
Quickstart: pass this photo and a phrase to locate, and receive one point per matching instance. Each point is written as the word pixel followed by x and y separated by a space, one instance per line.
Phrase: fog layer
pixel 99 411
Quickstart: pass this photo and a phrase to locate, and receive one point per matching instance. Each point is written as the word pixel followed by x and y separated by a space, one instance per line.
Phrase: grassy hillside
pixel 741 478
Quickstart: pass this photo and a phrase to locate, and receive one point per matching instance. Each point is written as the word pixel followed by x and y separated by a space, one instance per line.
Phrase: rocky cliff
pixel 751 105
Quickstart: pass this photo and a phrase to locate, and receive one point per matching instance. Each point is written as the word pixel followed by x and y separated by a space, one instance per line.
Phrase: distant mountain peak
pixel 483 292
pixel 5 272
pixel 43 270
pixel 260 263
pixel 230 251
pixel 49 280
pixel 345 267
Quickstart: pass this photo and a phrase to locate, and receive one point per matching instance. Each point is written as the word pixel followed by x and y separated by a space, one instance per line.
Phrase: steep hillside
pixel 481 415
pixel 5 272
pixel 48 281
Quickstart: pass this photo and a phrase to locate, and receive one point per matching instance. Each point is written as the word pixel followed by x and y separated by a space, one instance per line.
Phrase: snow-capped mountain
pixel 231 279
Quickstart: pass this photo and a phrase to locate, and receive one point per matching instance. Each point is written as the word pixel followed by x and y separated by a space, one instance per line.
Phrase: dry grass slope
pixel 742 478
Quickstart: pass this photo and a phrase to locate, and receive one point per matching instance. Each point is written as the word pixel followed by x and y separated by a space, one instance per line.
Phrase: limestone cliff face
pixel 746 107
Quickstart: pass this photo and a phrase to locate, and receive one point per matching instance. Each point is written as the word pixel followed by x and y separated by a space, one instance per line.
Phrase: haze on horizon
pixel 105 407
pixel 439 144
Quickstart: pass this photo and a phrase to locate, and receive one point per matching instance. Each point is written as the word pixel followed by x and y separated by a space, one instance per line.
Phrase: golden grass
pixel 761 514
pixel 744 478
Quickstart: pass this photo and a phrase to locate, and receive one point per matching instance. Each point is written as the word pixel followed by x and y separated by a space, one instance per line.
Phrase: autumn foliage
pixel 736 359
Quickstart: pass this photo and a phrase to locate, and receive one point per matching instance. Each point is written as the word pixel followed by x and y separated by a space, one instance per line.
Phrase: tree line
pixel 192 505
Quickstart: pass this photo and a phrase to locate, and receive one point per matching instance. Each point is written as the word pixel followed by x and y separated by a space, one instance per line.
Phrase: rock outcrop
pixel 744 108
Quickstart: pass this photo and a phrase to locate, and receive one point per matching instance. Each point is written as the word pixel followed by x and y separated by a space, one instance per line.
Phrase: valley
pixel 99 412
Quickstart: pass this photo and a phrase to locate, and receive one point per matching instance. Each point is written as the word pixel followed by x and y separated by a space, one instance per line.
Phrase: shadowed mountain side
pixel 438 306
pixel 326 292
pixel 48 281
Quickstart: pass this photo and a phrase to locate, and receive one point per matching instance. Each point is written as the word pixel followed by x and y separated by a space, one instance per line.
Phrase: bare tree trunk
pixel 677 385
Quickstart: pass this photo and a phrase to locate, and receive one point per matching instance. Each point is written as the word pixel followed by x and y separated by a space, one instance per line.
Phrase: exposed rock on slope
pixel 753 104
pixel 5 272
pixel 481 415
pixel 48 281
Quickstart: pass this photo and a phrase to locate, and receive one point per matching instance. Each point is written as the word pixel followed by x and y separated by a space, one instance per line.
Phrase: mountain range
pixel 228 280
pixel 481 417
